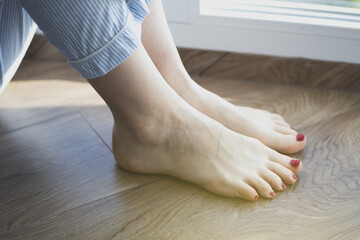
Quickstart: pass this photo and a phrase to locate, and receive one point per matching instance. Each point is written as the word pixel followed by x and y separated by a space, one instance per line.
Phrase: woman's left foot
pixel 271 129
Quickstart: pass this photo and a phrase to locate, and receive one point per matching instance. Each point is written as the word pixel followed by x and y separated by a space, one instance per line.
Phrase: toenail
pixel 294 176
pixel 294 162
pixel 292 128
pixel 256 197
pixel 300 137
pixel 283 185
pixel 272 194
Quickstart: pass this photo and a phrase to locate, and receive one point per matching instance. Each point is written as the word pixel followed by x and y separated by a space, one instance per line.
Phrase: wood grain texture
pixel 48 53
pixel 37 42
pixel 332 75
pixel 197 61
pixel 58 179
pixel 101 121
pixel 54 166
pixel 41 49
pixel 41 91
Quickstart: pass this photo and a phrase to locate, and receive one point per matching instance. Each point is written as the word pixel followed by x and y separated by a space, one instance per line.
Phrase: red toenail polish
pixel 272 194
pixel 256 197
pixel 300 137
pixel 294 162
pixel 292 128
pixel 294 176
pixel 283 185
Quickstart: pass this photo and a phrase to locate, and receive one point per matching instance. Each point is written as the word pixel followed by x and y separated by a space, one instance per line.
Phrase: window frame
pixel 305 39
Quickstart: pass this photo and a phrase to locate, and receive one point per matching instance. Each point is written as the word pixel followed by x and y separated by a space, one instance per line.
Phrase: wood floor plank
pixel 58 179
pixel 323 204
pixel 101 120
pixel 197 61
pixel 54 166
pixel 331 75
pixel 47 52
pixel 36 44
pixel 43 90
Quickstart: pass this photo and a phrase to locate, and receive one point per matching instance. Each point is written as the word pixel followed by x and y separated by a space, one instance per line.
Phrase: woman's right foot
pixel 156 131
pixel 191 146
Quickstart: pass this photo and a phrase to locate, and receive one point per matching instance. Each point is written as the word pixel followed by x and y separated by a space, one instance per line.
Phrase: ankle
pixel 131 142
pixel 179 79
pixel 146 129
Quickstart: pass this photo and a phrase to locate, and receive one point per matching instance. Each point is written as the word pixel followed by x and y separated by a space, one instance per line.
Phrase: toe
pixel 298 142
pixel 287 176
pixel 236 189
pixel 264 188
pixel 274 180
pixel 281 123
pixel 277 116
pixel 285 130
pixel 287 143
pixel 295 165
pixel 246 192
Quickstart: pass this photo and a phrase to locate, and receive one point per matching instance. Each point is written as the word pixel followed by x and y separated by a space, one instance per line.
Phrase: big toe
pixel 286 143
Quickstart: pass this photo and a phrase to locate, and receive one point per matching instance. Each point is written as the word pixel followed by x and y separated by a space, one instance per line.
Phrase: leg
pixel 156 131
pixel 269 128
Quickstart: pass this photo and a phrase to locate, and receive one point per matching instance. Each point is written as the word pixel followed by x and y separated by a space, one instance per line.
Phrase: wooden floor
pixel 58 178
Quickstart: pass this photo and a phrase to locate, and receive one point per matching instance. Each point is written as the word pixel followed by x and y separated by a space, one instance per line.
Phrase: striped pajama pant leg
pixel 94 36
pixel 16 32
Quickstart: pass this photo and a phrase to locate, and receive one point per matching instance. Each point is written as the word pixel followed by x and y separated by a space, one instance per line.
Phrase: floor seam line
pixel 39 122
pixel 96 132
pixel 71 209
pixel 213 64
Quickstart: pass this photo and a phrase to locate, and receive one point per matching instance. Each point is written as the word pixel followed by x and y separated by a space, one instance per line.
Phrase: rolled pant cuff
pixel 116 51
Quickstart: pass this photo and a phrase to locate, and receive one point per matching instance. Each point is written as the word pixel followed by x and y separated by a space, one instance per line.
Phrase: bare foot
pixel 156 131
pixel 193 147
pixel 271 129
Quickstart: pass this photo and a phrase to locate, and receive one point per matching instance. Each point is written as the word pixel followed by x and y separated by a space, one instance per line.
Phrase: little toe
pixel 263 188
pixel 236 189
pixel 247 192
pixel 285 174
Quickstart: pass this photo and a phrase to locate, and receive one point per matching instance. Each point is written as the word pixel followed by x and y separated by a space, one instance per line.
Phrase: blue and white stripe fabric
pixel 16 32
pixel 94 36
